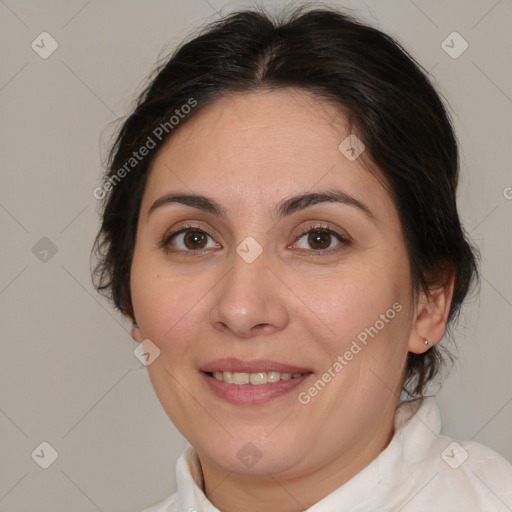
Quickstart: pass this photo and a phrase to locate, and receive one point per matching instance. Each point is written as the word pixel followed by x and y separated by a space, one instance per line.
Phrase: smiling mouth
pixel 256 378
pixel 248 382
pixel 252 388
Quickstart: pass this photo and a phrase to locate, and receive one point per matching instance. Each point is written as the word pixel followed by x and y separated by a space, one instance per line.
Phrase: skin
pixel 249 152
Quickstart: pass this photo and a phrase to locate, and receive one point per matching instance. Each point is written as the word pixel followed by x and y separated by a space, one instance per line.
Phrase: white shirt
pixel 419 471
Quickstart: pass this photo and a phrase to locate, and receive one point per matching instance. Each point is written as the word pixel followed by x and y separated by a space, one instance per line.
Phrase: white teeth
pixel 273 376
pixel 240 378
pixel 256 379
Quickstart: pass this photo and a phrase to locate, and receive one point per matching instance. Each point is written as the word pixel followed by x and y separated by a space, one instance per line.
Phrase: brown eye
pixel 189 240
pixel 195 240
pixel 319 239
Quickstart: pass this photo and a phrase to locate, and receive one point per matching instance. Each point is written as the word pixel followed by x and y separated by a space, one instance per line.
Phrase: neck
pixel 231 492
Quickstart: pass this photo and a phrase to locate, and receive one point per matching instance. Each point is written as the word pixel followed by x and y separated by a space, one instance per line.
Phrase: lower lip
pixel 250 394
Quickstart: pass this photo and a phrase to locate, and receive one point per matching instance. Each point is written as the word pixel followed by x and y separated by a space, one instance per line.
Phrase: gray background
pixel 69 376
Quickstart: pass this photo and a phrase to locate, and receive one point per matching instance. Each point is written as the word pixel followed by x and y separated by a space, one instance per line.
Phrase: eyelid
pixel 344 239
pixel 323 226
pixel 174 232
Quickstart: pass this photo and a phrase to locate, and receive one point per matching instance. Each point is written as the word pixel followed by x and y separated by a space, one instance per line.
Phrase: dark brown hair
pixel 390 104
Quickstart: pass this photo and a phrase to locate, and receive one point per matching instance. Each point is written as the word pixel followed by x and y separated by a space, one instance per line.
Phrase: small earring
pixel 427 343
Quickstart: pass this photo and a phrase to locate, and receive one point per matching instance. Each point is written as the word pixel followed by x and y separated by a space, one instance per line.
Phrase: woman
pixel 280 225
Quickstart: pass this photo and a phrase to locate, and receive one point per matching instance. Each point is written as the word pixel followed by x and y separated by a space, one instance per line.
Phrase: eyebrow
pixel 286 207
pixel 306 200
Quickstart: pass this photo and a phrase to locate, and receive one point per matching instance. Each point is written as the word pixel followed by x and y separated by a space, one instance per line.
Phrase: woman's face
pixel 242 265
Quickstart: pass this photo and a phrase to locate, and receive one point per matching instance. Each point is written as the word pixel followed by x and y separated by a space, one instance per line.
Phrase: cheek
pixel 353 300
pixel 166 306
pixel 366 310
pixel 368 350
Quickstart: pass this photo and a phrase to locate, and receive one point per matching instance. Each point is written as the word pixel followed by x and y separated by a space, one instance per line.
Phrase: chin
pixel 245 457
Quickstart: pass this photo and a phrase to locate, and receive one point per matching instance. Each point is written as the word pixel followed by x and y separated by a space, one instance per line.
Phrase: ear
pixel 432 312
pixel 136 335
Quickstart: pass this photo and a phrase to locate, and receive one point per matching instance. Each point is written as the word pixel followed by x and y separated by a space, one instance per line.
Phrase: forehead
pixel 293 120
pixel 260 146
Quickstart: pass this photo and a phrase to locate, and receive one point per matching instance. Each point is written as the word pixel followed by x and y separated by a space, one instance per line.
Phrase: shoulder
pixel 448 474
pixel 463 475
pixel 469 460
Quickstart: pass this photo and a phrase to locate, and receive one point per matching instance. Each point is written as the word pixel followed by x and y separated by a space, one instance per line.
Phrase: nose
pixel 249 301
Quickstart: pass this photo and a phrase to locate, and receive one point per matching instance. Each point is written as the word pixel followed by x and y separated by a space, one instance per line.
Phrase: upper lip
pixel 232 364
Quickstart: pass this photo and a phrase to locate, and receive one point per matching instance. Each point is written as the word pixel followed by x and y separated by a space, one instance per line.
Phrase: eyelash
pixel 165 242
